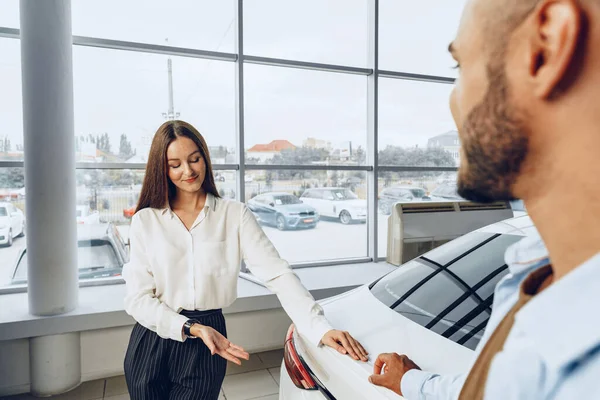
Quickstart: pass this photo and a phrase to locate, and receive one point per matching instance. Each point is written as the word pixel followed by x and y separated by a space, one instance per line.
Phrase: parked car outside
pixel 101 253
pixel 337 202
pixel 284 211
pixel 85 215
pixel 400 194
pixel 434 308
pixel 446 192
pixel 12 224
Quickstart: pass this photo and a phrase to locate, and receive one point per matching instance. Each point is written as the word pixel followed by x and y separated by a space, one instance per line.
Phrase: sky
pixel 126 92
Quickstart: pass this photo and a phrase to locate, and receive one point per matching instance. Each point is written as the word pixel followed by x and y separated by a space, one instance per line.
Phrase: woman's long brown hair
pixel 158 190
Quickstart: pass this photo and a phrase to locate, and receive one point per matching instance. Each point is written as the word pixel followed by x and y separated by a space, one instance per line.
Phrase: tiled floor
pixel 256 379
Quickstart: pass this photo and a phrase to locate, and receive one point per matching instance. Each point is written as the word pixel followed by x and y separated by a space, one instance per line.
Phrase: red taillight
pixel 293 365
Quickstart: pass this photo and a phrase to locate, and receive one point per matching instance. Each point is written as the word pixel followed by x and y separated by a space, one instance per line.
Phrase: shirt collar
pixel 209 204
pixel 562 320
pixel 527 255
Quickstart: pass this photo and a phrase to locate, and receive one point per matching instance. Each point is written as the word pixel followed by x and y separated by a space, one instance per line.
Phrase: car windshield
pixel 418 192
pixel 3 212
pixel 343 194
pixel 286 199
pixel 92 256
pixel 450 289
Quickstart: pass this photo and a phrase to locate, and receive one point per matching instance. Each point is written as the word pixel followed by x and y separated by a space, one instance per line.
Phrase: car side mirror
pixel 272 204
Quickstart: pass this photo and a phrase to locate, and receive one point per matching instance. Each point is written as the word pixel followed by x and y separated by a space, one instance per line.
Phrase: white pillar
pixel 56 351
pixel 47 73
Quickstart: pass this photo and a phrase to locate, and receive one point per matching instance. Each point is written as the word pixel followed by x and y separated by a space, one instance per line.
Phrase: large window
pixel 302 211
pixel 197 24
pixel 122 97
pixel 11 115
pixel 331 32
pixel 415 124
pixel 289 132
pixel 302 117
pixel 9 15
pixel 414 35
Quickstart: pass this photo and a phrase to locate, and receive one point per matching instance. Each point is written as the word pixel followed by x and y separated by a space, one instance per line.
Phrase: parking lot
pixel 330 240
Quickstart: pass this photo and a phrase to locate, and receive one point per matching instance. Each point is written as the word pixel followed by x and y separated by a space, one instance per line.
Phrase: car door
pixel 328 204
pixel 15 219
pixel 257 206
pixel 269 207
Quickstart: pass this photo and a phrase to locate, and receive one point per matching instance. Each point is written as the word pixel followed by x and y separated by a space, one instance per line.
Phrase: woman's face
pixel 186 165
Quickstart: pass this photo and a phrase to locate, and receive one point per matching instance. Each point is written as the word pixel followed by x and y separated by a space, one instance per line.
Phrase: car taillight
pixel 294 366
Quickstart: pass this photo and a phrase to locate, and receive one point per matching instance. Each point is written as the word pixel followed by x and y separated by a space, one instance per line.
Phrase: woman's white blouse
pixel 172 269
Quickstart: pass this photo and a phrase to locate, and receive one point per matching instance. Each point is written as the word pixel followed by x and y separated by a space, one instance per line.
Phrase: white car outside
pixel 12 223
pixel 336 202
pixel 433 308
pixel 86 216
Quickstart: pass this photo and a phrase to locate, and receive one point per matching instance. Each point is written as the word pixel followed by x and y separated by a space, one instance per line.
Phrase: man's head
pixel 521 66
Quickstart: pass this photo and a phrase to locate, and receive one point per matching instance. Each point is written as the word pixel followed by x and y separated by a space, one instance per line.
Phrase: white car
pixel 12 224
pixel 434 309
pixel 336 202
pixel 85 215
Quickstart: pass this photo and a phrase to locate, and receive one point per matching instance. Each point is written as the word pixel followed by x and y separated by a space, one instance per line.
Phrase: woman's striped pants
pixel 165 369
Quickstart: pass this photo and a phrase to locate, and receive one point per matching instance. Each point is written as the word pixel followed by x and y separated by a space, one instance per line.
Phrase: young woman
pixel 186 247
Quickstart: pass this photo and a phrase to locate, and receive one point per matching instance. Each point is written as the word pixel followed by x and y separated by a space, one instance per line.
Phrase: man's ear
pixel 556 27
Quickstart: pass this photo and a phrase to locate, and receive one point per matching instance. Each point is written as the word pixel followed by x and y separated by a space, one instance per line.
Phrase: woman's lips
pixel 191 180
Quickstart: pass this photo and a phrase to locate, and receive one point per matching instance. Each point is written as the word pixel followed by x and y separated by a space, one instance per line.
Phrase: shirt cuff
pixel 412 383
pixel 177 327
pixel 317 331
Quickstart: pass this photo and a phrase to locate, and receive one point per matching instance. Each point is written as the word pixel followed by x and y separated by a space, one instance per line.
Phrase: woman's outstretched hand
pixel 345 344
pixel 218 344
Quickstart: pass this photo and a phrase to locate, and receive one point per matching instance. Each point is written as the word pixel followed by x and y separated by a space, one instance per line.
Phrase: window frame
pixel 371 166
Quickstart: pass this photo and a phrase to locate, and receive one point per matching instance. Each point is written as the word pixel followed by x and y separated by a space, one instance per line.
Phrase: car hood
pixel 4 220
pixel 380 330
pixel 295 208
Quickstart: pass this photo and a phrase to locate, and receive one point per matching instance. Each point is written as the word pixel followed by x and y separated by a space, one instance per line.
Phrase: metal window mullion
pixel 392 168
pixel 297 167
pixel 407 76
pixel 9 33
pixel 284 63
pixel 239 102
pixel 372 130
pixel 152 48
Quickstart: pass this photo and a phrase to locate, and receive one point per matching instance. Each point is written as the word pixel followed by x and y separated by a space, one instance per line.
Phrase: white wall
pixel 103 350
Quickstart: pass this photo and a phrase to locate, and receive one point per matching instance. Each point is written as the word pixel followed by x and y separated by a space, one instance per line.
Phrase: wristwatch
pixel 187 326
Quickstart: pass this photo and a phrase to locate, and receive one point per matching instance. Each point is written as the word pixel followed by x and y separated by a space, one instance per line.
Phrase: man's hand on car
pixel 389 368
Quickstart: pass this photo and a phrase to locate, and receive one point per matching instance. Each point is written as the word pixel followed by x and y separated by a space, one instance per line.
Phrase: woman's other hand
pixel 219 344
pixel 345 344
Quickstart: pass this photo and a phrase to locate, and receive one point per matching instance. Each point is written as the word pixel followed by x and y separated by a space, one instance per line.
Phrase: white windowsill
pixel 102 306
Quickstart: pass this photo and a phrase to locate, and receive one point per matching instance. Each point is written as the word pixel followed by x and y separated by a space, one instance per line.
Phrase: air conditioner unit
pixel 416 228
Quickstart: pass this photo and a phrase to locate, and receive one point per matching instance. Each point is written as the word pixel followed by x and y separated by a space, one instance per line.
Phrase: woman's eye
pixel 196 160
pixel 174 166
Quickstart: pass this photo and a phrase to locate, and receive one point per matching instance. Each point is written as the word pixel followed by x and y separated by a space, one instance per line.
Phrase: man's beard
pixel 494 143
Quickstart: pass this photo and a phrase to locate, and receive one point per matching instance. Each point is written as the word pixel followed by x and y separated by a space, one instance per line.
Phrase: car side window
pixel 328 195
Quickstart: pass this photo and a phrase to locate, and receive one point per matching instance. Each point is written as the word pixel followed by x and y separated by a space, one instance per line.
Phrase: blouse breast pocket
pixel 218 258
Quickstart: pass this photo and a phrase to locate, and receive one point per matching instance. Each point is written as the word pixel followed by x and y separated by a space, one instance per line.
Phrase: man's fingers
pixel 381 360
pixel 378 380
